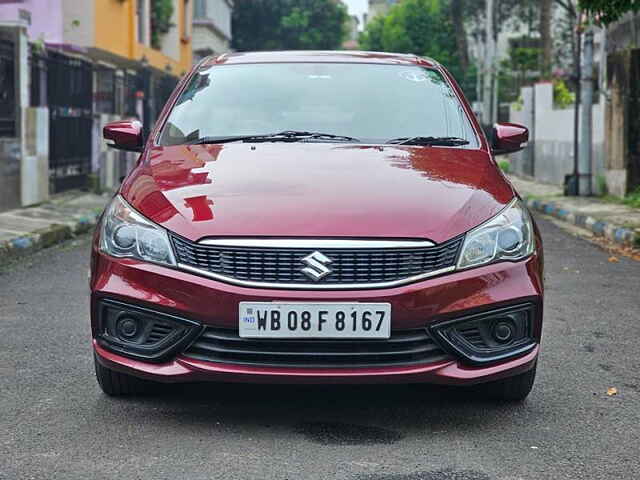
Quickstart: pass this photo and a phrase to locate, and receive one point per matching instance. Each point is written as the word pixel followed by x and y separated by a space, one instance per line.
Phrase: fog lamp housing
pixel 142 333
pixel 489 336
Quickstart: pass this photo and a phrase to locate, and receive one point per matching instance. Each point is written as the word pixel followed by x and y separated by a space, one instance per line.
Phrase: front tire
pixel 512 389
pixel 116 384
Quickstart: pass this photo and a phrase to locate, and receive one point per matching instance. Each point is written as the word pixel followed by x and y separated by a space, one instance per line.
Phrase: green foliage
pixel 288 25
pixel 562 96
pixel 371 37
pixel 39 45
pixel 518 104
pixel 607 11
pixel 601 183
pixel 161 13
pixel 518 69
pixel 524 58
pixel 505 166
pixel 93 183
pixel 466 79
pixel 633 199
pixel 413 26
pixel 423 27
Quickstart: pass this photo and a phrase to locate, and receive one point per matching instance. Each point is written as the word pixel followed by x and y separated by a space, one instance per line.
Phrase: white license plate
pixel 314 320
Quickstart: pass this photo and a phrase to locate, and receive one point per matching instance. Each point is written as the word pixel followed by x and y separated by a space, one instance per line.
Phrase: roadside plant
pixel 633 198
pixel 518 105
pixel 161 13
pixel 562 96
pixel 505 166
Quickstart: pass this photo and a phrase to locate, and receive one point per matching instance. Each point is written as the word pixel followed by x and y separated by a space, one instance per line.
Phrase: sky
pixel 357 7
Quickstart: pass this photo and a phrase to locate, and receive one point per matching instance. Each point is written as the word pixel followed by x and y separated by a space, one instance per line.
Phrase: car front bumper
pixel 415 306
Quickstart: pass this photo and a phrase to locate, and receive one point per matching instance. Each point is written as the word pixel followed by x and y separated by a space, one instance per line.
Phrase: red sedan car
pixel 317 217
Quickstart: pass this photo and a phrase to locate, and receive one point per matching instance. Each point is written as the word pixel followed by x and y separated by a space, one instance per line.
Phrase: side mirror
pixel 124 135
pixel 509 138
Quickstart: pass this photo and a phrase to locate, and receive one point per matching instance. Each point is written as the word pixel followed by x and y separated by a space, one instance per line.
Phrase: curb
pixel 46 237
pixel 615 233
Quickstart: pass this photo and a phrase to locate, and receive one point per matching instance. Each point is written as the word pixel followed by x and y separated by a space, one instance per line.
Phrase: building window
pixel 24 15
pixel 200 9
pixel 141 15
pixel 105 90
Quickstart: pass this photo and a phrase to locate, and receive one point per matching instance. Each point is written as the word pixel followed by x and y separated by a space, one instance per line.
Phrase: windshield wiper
pixel 438 141
pixel 302 135
pixel 285 136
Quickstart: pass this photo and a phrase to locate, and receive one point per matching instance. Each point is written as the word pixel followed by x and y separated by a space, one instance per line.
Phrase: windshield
pixel 371 103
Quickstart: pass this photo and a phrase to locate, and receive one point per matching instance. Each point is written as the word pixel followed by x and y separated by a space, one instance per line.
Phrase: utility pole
pixel 573 187
pixel 487 93
pixel 586 125
pixel 494 99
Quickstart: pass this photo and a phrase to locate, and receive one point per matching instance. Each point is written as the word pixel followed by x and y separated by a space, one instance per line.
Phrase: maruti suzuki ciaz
pixel 317 217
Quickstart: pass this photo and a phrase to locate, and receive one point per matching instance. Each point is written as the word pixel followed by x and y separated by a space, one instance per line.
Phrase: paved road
pixel 55 423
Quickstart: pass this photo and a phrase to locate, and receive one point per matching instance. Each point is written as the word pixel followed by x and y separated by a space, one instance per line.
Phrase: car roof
pixel 305 56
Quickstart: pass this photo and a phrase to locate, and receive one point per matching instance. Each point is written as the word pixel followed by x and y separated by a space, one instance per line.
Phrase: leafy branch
pixel 161 13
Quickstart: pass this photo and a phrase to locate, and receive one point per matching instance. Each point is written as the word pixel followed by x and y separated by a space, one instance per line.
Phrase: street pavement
pixel 56 424
pixel 617 222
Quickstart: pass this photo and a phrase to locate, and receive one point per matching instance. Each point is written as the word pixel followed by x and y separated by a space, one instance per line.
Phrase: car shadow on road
pixel 327 414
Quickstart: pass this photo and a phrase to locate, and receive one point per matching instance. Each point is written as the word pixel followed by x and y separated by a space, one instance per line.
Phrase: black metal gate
pixel 69 96
pixel 7 88
pixel 38 76
pixel 158 89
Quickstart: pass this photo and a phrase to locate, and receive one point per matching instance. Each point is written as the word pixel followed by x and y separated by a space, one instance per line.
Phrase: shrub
pixel 504 165
pixel 562 96
pixel 633 199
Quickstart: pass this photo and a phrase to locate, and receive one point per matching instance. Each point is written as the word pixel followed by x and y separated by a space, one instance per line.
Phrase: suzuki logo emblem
pixel 316 268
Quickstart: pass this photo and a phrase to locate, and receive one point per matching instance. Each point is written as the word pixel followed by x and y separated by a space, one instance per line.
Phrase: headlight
pixel 507 236
pixel 126 233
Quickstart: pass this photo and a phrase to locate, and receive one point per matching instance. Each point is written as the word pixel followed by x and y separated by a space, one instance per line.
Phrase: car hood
pixel 317 190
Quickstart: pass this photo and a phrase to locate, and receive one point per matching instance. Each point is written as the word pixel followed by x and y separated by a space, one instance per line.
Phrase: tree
pixel 456 10
pixel 371 37
pixel 545 37
pixel 413 26
pixel 288 24
pixel 608 11
pixel 422 27
pixel 161 13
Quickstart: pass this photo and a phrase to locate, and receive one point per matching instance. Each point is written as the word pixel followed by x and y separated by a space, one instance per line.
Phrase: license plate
pixel 314 320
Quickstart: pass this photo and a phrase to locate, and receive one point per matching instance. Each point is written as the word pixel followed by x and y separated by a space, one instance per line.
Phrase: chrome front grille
pixel 405 347
pixel 366 265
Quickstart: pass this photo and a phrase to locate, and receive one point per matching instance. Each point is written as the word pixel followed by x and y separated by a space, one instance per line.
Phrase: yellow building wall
pixel 115 26
pixel 116 33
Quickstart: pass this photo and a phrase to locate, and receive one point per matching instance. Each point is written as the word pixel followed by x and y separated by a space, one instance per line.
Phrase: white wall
pixel 170 42
pixel 551 147
pixel 34 164
pixel 212 27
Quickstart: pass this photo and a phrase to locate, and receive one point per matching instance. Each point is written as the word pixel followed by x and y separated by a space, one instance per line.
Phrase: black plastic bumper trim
pixel 476 356
pixel 140 352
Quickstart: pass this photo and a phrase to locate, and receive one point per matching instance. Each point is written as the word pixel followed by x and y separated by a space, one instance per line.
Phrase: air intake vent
pixel 473 336
pixel 158 333
pixel 403 348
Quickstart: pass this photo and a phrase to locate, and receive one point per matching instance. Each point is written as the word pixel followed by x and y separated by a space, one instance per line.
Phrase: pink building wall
pixel 46 18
